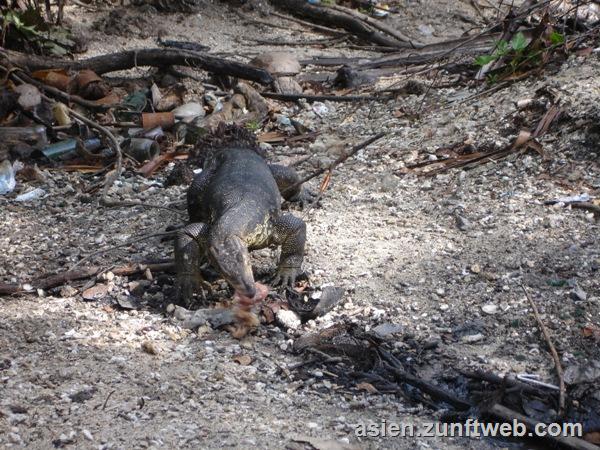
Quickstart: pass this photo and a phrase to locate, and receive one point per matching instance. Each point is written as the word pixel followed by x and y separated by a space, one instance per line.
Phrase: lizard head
pixel 231 256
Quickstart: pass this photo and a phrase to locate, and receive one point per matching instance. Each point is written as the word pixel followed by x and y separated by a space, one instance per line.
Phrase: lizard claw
pixel 286 276
pixel 305 197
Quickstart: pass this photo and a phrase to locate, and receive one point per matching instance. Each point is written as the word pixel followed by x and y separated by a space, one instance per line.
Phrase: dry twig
pixel 553 352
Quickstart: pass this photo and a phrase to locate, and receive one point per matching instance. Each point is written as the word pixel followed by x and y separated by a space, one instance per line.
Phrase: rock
pixel 348 77
pixel 387 329
pixel 583 373
pixel 95 292
pixel 425 30
pixel 150 347
pixel 126 302
pixel 388 182
pixel 288 319
pixel 462 223
pixel 215 317
pixel 138 287
pixel 283 66
pixel 277 63
pixel 65 439
pixel 87 435
pixel 552 221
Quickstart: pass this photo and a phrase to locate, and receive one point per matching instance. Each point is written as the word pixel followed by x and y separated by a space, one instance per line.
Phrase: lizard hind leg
pixel 190 245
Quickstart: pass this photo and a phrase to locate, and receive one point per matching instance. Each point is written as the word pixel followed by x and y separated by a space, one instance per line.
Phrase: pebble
pixel 68 291
pixel 425 30
pixel 462 223
pixel 15 438
pixel 150 348
pixel 578 294
pixel 489 308
pixel 388 329
pixel 87 435
pixel 475 268
pixel 472 338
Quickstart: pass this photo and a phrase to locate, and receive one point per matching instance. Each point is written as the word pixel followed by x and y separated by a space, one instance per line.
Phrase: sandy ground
pixel 74 373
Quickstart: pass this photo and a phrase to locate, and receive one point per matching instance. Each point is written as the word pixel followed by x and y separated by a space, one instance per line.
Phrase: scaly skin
pixel 234 206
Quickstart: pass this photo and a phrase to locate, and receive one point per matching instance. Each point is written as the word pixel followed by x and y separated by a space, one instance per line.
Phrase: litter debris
pixel 585 197
pixel 31 195
pixel 7 177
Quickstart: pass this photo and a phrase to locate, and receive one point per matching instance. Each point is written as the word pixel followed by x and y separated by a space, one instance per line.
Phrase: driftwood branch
pixel 331 17
pixel 377 24
pixel 508 415
pixel 314 98
pixel 59 279
pixel 154 57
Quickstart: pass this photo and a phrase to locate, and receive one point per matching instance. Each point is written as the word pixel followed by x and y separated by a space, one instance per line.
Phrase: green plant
pixel 556 38
pixel 27 30
pixel 517 53
pixel 252 125
pixel 11 19
pixel 517 45
pixel 492 78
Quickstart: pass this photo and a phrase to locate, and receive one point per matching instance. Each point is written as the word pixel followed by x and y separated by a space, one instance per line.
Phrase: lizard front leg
pixel 190 245
pixel 290 232
pixel 287 180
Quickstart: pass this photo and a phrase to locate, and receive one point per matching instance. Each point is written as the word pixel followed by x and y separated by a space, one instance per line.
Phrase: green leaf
pixel 484 60
pixel 55 49
pixel 492 78
pixel 556 38
pixel 518 42
pixel 502 48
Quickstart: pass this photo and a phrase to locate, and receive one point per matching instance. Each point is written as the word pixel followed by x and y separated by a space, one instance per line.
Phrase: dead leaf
pixel 272 137
pixel 154 164
pixel 90 86
pixel 364 386
pixel 95 292
pixel 591 331
pixel 29 96
pixel 31 173
pixel 58 78
pixel 587 51
pixel 110 99
pixel 522 138
pixel 243 360
pixel 325 182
